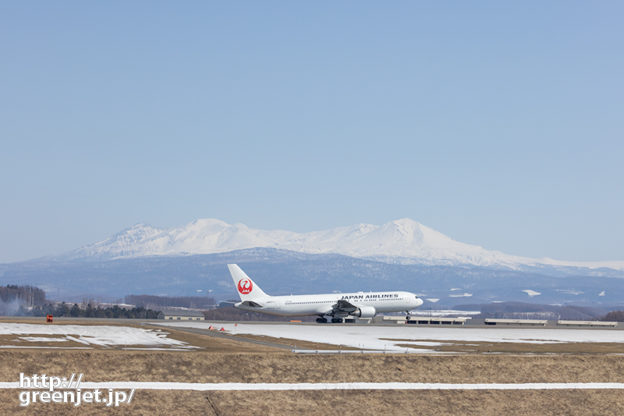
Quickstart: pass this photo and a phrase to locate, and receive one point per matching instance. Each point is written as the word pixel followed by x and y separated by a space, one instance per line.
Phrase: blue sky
pixel 496 123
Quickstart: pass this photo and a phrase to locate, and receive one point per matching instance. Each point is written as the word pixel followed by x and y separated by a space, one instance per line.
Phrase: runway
pixel 409 339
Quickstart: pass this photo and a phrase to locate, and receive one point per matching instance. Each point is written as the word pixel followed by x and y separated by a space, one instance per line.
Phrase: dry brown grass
pixel 208 367
pixel 214 343
pixel 294 343
pixel 229 360
pixel 357 403
pixel 518 348
pixel 360 403
pixel 204 366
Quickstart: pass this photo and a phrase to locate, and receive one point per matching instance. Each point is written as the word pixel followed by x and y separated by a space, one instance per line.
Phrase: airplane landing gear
pixel 321 320
pixel 337 320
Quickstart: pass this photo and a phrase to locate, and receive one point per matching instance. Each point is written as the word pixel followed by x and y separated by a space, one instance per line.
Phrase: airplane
pixel 336 305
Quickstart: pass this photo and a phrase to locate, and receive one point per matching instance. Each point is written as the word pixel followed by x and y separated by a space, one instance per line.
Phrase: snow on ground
pixel 389 337
pixel 42 339
pixel 154 385
pixel 41 347
pixel 443 312
pixel 90 334
pixel 531 292
pixel 569 292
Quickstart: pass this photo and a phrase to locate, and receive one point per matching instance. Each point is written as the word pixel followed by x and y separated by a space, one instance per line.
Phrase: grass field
pixel 228 359
pixel 359 403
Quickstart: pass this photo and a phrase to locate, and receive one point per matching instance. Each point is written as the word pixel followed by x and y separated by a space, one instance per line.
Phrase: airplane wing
pixel 343 307
pixel 251 304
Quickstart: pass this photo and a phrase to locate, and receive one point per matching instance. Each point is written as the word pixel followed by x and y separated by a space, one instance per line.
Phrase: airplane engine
pixel 365 312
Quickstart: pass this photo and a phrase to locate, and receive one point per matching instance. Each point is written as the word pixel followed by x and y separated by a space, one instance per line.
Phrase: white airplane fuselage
pixel 337 305
pixel 302 305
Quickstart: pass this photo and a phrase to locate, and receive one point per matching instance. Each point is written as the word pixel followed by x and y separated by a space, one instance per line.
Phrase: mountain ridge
pixel 402 241
pixel 282 272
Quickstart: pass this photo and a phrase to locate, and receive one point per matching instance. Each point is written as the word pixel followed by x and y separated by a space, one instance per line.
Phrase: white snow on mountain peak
pixel 403 241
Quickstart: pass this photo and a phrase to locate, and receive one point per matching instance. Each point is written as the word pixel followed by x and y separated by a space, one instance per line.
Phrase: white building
pixel 182 314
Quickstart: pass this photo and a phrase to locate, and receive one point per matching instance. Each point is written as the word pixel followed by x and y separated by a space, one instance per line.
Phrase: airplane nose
pixel 419 301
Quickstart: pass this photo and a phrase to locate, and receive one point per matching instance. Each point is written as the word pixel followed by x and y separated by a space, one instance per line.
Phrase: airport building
pixel 182 314
pixel 426 320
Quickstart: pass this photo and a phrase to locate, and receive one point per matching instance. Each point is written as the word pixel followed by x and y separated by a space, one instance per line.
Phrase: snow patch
pixel 570 292
pixel 43 339
pixel 531 293
pixel 92 334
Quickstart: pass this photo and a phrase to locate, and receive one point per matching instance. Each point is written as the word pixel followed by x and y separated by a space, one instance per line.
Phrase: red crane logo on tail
pixel 245 286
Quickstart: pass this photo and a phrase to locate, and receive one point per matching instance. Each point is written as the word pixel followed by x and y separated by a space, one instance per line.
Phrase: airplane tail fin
pixel 247 289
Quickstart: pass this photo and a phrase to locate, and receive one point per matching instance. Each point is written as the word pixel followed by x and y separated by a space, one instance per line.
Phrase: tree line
pixel 617 316
pixel 90 311
pixel 26 295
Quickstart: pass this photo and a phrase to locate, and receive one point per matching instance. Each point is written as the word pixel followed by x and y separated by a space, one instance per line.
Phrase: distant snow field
pixel 99 335
pixel 531 292
pixel 442 312
pixel 388 338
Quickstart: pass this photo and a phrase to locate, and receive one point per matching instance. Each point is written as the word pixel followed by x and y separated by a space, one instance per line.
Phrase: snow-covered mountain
pixel 401 241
